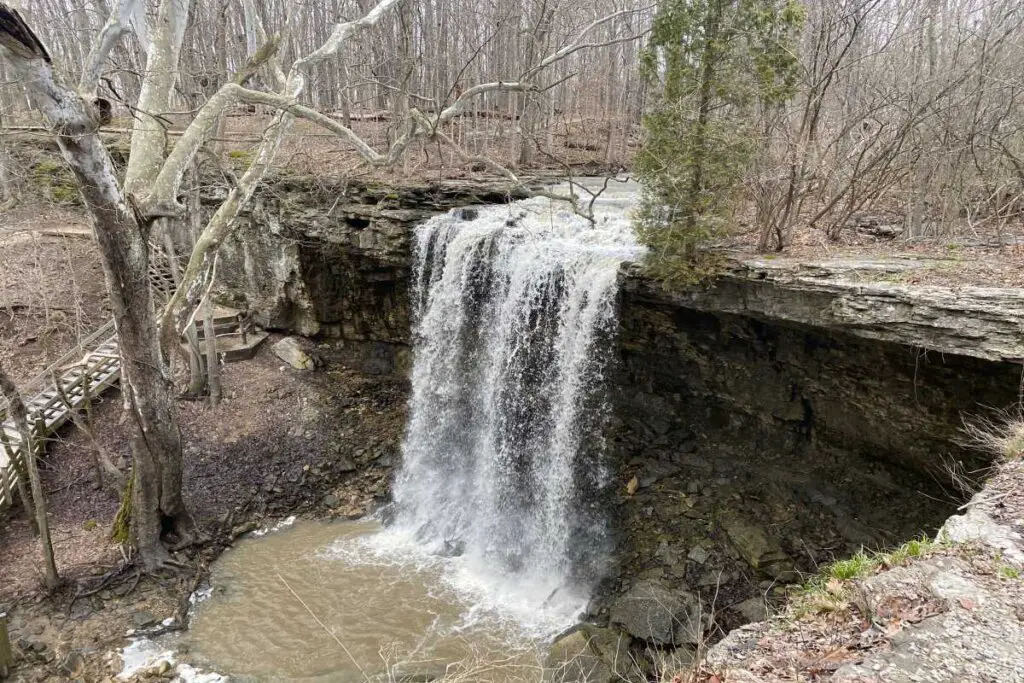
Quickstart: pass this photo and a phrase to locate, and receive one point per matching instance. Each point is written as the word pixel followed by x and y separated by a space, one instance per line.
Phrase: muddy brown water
pixel 368 614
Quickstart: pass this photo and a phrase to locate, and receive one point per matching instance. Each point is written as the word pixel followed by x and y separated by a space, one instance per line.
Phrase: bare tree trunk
pixel 158 510
pixel 196 372
pixel 8 189
pixel 16 409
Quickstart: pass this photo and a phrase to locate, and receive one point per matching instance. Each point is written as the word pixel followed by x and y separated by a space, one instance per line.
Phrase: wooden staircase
pixel 83 373
pixel 93 366
pixel 235 338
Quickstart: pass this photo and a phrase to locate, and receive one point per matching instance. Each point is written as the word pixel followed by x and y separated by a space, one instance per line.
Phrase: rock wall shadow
pixel 749 452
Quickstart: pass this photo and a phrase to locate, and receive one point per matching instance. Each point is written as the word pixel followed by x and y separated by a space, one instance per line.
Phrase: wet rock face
pixel 747 451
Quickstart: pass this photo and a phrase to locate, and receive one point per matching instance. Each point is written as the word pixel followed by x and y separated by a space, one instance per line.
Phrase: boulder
pixel 698 554
pixel 758 549
pixel 651 612
pixel 590 654
pixel 752 610
pixel 291 352
pixel 977 525
pixel 141 619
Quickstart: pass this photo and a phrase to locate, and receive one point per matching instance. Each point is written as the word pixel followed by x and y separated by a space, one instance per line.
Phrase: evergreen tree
pixel 717 65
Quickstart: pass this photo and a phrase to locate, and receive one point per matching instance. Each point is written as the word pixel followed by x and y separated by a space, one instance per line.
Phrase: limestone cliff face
pixel 774 423
pixel 868 299
pixel 335 260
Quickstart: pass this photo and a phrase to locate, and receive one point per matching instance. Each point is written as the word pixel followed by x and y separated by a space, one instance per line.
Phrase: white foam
pixel 527 611
pixel 283 524
pixel 142 654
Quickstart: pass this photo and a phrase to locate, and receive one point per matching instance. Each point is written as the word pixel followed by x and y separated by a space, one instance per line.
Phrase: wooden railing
pixel 71 382
pixel 57 393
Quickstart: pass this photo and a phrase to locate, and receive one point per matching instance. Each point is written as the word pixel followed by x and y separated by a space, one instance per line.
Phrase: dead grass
pixel 1001 436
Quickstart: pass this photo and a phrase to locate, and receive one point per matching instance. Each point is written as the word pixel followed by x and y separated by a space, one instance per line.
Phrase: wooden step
pixel 219 329
pixel 231 348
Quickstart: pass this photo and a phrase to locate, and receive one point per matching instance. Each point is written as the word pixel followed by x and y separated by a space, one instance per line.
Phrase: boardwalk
pixel 83 373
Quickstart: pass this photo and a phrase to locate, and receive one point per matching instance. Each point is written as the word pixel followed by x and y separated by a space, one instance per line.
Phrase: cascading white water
pixel 515 310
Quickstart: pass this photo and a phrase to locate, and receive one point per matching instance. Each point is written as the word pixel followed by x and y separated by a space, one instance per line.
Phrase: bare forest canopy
pixel 423 55
pixel 907 117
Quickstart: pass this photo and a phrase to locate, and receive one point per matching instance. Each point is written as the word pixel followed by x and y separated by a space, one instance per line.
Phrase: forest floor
pixel 52 291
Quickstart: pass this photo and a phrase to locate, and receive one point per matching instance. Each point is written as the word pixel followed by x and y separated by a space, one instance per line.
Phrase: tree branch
pixel 16 36
pixel 148 133
pixel 342 32
pixel 162 197
pixel 117 25
pixel 459 104
pixel 577 44
pixel 256 36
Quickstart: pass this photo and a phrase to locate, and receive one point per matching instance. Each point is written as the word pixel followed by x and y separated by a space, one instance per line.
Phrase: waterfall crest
pixel 515 308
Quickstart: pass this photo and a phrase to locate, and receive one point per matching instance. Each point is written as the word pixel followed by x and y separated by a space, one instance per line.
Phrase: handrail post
pixel 18 465
pixel 40 442
pixel 5 482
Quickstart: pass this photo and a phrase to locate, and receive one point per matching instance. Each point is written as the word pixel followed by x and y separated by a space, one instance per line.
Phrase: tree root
pixel 106 581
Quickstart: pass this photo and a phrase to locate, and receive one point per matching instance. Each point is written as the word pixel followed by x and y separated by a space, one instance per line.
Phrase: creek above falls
pixel 754 430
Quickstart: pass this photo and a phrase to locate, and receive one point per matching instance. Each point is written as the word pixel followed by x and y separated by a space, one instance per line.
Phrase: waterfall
pixel 515 312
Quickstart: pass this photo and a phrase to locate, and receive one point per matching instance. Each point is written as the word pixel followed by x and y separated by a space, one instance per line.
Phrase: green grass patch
pixel 55 182
pixel 866 562
pixel 1006 571
pixel 829 589
pixel 856 567
pixel 241 156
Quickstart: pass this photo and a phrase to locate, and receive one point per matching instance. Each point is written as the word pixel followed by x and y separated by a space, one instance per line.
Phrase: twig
pixel 983 499
pixel 324 627
pixel 65 487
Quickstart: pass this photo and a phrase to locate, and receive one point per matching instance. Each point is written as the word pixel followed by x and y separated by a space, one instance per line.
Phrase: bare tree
pixel 907 108
pixel 122 232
